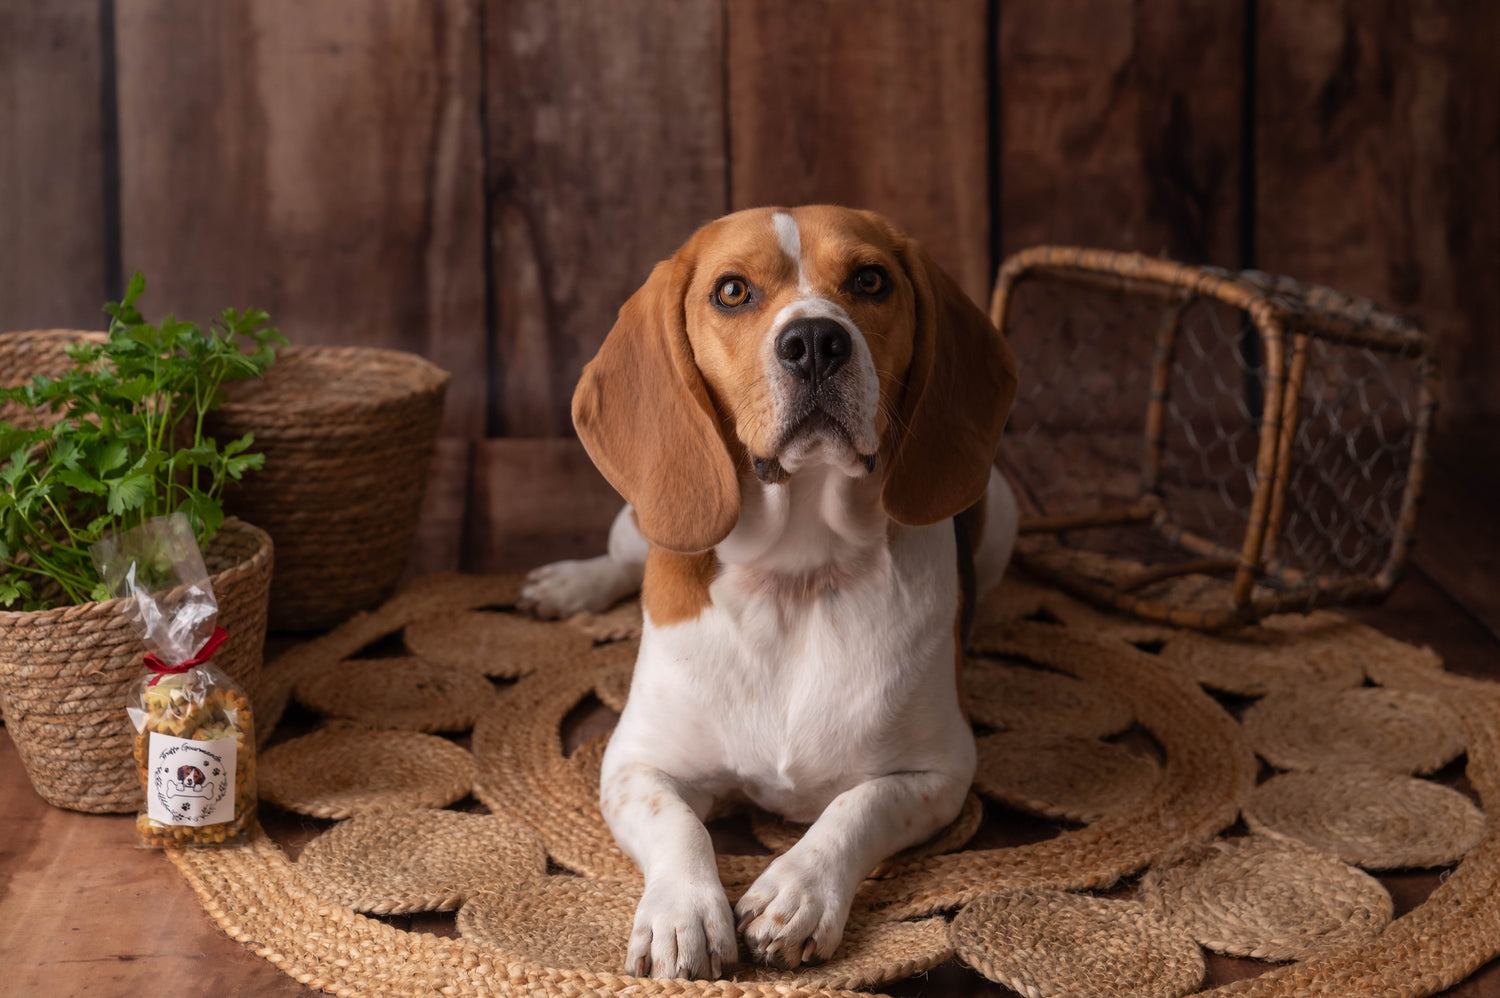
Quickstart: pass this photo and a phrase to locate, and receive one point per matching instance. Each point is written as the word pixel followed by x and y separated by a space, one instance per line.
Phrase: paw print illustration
pixel 216 772
pixel 183 808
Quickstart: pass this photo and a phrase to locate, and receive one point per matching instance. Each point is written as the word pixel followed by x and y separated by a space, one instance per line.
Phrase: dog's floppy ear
pixel 959 389
pixel 646 419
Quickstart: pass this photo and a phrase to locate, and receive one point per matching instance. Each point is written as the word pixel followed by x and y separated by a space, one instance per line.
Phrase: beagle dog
pixel 802 411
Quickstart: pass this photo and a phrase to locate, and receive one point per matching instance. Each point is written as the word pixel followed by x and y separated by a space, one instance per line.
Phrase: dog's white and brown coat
pixel 802 411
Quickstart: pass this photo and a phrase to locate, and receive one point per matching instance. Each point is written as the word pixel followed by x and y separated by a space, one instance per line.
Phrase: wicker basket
pixel 26 355
pixel 348 434
pixel 1206 447
pixel 64 675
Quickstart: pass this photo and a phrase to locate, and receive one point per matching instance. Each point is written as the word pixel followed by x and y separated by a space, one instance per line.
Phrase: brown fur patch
pixel 676 585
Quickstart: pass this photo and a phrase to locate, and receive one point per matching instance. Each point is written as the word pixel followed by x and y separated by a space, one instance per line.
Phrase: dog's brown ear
pixel 959 389
pixel 646 419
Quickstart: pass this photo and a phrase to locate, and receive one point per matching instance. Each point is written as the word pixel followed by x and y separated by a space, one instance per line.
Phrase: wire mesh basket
pixel 1204 447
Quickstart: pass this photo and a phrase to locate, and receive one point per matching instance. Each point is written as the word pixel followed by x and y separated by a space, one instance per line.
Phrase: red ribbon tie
pixel 156 665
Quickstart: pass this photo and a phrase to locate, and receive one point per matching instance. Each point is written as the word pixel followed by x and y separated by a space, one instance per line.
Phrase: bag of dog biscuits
pixel 195 737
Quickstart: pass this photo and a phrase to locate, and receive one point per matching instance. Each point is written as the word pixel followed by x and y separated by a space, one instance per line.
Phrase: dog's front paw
pixel 564 588
pixel 682 931
pixel 794 913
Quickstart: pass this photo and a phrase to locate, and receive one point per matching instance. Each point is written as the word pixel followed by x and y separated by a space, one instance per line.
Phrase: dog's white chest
pixel 794 700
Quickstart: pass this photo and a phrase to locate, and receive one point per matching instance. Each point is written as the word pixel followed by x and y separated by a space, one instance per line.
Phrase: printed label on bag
pixel 192 782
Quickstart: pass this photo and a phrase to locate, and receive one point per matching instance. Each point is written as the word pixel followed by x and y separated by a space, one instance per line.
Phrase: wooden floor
pixel 84 911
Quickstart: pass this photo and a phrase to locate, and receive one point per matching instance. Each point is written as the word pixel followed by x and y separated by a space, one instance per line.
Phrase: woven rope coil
pixel 387 864
pixel 779 835
pixel 1271 899
pixel 1377 820
pixel 1049 944
pixel 614 666
pixel 580 923
pixel 348 434
pixel 344 770
pixel 1013 697
pixel 65 672
pixel 1392 730
pixel 402 692
pixel 1322 649
pixel 493 644
pixel 1081 779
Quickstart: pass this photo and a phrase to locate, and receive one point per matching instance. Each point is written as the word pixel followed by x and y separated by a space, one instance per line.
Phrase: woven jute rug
pixel 1143 795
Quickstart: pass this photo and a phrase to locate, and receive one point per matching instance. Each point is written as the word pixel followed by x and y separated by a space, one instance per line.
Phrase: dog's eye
pixel 870 281
pixel 732 292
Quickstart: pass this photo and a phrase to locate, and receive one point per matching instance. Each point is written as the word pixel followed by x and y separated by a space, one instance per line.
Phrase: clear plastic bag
pixel 195 736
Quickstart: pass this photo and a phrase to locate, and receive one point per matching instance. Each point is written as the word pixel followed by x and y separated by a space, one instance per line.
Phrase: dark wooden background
pixel 485 181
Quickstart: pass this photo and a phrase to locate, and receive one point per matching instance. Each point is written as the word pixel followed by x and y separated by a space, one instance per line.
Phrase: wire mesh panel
pixel 1208 447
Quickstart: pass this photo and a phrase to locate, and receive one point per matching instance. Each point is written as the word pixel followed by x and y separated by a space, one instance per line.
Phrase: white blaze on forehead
pixel 790 238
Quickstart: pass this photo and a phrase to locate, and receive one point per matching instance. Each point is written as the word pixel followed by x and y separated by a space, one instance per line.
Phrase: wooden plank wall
pixel 484 181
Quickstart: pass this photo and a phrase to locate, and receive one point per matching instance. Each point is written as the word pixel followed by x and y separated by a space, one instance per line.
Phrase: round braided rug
pixel 779 835
pixel 388 864
pixel 403 692
pixel 1271 899
pixel 1051 944
pixel 524 775
pixel 1393 730
pixel 613 666
pixel 1290 650
pixel 578 922
pixel 341 771
pixel 493 644
pixel 1081 779
pixel 1014 697
pixel 1372 819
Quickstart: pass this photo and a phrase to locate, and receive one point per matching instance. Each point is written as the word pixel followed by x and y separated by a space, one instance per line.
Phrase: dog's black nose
pixel 813 349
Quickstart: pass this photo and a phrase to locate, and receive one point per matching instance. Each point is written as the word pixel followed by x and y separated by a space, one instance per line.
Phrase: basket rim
pixel 112 607
pixel 431 379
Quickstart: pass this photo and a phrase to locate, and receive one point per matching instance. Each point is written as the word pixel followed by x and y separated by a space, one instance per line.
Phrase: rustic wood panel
pixel 1379 126
pixel 52 223
pixel 439 542
pixel 535 501
pixel 1120 125
pixel 319 160
pixel 605 152
pixel 879 105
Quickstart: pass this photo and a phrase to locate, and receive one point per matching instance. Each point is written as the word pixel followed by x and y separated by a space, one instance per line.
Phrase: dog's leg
pixel 1001 519
pixel 683 925
pixel 590 585
pixel 795 911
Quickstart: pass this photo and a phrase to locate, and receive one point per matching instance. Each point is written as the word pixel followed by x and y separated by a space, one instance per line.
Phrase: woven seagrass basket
pixel 65 672
pixel 348 434
pixel 25 355
pixel 1256 443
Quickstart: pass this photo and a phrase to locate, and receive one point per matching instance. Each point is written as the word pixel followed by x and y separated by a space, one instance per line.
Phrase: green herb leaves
pixel 119 440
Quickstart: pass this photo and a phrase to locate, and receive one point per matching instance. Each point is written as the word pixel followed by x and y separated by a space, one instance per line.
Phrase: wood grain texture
pixel 535 501
pixel 879 105
pixel 86 912
pixel 605 152
pixel 1120 125
pixel 1379 126
pixel 439 542
pixel 52 257
pixel 319 160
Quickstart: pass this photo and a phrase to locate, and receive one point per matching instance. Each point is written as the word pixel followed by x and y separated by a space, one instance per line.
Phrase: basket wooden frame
pixel 1287 317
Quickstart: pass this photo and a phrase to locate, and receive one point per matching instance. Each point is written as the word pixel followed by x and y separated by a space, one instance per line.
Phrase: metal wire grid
pixel 1098 354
